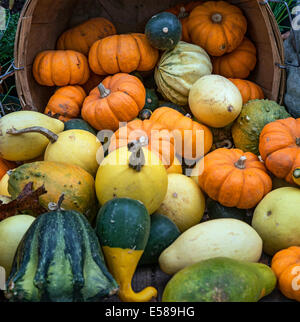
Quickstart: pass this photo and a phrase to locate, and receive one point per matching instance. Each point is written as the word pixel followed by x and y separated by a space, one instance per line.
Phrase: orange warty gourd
pixel 66 103
pixel 286 266
pixel 186 143
pixel 60 68
pixel 248 89
pixel 279 147
pixel 81 37
pixel 234 178
pixel 5 166
pixel 118 98
pixel 92 82
pixel 122 53
pixel 217 26
pixel 160 140
pixel 237 64
pixel 182 11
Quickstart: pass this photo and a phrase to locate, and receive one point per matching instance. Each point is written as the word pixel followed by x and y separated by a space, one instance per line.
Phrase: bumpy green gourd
pixel 220 279
pixel 60 260
pixel 254 116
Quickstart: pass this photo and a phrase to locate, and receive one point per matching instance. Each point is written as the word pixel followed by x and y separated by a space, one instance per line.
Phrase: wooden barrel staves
pixel 42 22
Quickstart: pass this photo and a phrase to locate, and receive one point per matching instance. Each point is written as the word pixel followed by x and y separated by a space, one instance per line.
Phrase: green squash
pixel 216 210
pixel 76 184
pixel 123 227
pixel 152 101
pixel 163 31
pixel 162 234
pixel 178 70
pixel 60 260
pixel 220 279
pixel 253 118
pixel 79 124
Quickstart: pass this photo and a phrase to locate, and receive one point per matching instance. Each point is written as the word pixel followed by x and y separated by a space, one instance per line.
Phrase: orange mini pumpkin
pixel 60 68
pixel 160 140
pixel 122 53
pixel 234 178
pixel 248 89
pixel 217 26
pixel 286 266
pixel 81 37
pixel 279 147
pixel 237 64
pixel 118 98
pixel 182 11
pixel 185 130
pixel 66 103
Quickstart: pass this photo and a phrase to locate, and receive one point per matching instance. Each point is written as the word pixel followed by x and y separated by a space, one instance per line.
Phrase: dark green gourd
pixel 163 233
pixel 79 124
pixel 163 31
pixel 60 260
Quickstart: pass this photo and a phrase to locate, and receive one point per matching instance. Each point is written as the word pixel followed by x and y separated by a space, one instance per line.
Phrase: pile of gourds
pixel 166 103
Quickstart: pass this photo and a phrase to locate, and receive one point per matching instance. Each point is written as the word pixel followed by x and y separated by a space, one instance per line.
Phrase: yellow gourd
pixel 4 185
pixel 138 175
pixel 16 145
pixel 77 147
pixel 184 203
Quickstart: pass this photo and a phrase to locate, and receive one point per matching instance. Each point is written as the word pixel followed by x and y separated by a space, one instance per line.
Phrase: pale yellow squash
pixel 23 147
pixel 116 179
pixel 215 101
pixel 12 231
pixel 77 147
pixel 4 185
pixel 215 238
pixel 184 203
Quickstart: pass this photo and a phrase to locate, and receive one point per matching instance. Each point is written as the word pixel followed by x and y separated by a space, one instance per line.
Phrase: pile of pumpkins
pixel 167 104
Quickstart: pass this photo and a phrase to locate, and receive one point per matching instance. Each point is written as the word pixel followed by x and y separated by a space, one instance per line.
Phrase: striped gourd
pixel 179 69
pixel 60 260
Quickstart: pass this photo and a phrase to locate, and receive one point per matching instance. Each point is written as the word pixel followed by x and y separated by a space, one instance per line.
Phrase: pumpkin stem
pixel 240 164
pixel 52 137
pixel 216 18
pixel 104 92
pixel 52 206
pixel 137 158
pixel 298 141
pixel 182 13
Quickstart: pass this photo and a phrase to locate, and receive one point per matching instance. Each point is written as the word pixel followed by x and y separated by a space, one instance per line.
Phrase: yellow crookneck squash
pixel 123 228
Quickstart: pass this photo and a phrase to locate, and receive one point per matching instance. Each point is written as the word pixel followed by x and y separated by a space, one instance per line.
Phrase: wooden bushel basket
pixel 42 22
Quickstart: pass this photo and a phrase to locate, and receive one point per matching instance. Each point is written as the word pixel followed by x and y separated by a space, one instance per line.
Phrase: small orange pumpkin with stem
pixel 217 26
pixel 286 266
pixel 66 103
pixel 119 98
pixel 234 178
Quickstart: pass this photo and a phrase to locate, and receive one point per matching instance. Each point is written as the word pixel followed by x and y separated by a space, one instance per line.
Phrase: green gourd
pixel 163 31
pixel 78 124
pixel 163 232
pixel 220 279
pixel 253 118
pixel 60 260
